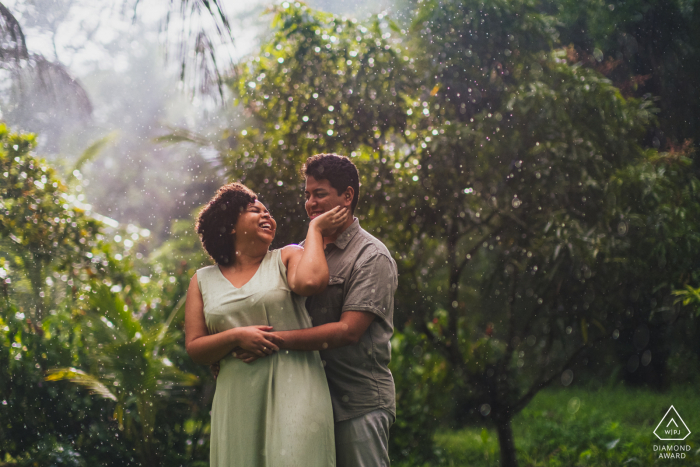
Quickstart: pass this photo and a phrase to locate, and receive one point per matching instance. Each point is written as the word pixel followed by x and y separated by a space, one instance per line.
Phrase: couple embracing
pixel 302 381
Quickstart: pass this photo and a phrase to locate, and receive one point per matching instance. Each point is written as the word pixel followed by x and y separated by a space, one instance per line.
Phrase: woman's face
pixel 255 224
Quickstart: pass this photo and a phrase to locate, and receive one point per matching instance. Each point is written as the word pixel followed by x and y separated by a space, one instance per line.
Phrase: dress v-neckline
pixel 249 280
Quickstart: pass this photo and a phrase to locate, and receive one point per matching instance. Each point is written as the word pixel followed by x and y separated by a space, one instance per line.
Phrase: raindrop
pixel 633 363
pixel 573 405
pixel 646 358
pixel 641 337
pixel 567 377
pixel 616 334
pixel 622 228
pixel 516 202
pixel 305 118
pixel 485 409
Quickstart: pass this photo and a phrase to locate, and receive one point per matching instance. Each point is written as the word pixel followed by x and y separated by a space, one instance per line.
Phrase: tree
pixel 74 307
pixel 644 47
pixel 39 232
pixel 128 368
pixel 51 257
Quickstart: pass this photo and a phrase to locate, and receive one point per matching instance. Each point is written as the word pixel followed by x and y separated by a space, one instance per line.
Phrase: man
pixel 353 319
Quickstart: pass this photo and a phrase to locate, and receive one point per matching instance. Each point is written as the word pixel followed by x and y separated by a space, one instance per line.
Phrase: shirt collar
pixel 348 234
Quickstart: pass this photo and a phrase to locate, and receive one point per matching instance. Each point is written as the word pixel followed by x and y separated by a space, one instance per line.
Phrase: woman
pixel 276 411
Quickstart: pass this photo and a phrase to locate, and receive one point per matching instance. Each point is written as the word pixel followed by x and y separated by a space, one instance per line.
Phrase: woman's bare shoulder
pixel 290 251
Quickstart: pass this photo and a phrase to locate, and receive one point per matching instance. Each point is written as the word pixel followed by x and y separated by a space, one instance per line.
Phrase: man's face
pixel 322 197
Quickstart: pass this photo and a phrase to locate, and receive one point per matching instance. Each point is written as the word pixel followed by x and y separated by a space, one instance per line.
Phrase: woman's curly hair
pixel 218 218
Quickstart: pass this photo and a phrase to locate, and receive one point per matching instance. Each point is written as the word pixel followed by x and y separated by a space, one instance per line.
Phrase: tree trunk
pixel 505 441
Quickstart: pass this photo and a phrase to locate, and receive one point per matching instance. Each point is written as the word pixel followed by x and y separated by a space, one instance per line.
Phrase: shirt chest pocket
pixel 335 292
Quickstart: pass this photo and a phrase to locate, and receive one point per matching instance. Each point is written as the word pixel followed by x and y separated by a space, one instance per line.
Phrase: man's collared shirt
pixel 363 277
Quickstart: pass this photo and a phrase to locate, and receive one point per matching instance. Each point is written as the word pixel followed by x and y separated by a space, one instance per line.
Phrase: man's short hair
pixel 338 170
pixel 218 218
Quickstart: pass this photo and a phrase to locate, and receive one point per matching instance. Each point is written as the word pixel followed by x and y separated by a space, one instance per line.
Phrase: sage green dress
pixel 276 411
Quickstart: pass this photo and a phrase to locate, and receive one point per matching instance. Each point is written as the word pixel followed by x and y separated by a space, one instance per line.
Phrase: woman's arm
pixel 207 349
pixel 307 270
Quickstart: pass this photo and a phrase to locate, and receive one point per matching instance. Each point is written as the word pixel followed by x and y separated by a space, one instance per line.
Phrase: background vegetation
pixel 531 165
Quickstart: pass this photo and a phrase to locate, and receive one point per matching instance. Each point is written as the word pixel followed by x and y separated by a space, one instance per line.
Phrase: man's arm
pixel 347 331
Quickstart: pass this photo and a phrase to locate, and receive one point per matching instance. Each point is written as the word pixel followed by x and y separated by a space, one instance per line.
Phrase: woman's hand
pixel 244 356
pixel 258 340
pixel 330 221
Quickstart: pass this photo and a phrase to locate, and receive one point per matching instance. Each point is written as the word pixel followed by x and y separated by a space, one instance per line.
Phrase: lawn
pixel 579 427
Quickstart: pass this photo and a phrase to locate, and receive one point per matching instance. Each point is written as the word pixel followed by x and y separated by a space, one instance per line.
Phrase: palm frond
pixel 199 69
pixel 53 80
pixel 183 135
pixel 79 377
pixel 13 47
pixel 164 329
pixel 93 150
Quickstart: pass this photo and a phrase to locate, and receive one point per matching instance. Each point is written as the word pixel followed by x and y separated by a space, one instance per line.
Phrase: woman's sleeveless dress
pixel 276 411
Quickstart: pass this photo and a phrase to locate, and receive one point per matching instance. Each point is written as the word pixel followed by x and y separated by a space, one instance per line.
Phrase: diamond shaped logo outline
pixel 672 419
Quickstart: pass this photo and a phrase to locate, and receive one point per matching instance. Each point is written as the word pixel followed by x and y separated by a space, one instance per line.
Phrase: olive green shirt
pixel 363 277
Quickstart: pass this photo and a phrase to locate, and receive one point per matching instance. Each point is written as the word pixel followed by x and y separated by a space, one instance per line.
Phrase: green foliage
pixel 126 368
pixel 104 328
pixel 39 230
pixel 40 421
pixel 419 408
pixel 579 427
pixel 645 47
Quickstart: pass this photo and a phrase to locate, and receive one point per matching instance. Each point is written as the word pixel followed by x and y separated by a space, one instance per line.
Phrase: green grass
pixel 578 427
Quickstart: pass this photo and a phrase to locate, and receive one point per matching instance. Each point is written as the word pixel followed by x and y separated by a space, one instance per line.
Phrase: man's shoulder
pixel 370 246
